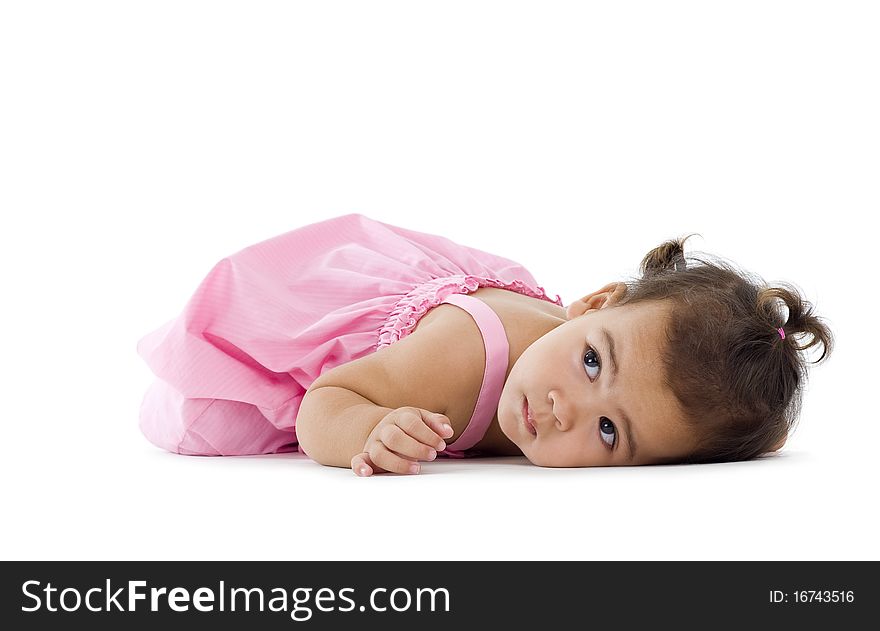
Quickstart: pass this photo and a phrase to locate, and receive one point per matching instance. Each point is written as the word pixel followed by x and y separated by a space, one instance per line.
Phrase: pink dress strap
pixel 497 355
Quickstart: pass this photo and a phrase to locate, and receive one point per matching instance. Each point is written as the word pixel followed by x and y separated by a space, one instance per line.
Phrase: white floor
pixel 94 488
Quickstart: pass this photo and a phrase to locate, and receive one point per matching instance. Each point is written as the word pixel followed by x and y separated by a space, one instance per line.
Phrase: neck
pixel 495 443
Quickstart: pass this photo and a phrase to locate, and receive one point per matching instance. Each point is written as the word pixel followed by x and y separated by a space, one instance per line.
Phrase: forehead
pixel 638 335
pixel 637 328
pixel 637 332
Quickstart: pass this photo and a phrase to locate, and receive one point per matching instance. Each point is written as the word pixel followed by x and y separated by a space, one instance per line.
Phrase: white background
pixel 142 142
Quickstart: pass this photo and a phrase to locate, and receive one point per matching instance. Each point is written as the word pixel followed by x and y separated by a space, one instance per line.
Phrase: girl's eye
pixel 591 353
pixel 606 427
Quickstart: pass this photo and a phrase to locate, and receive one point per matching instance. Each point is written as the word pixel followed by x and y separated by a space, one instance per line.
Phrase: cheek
pixel 576 448
pixel 538 367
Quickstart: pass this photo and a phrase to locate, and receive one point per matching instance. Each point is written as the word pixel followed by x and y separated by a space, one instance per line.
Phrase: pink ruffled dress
pixel 267 321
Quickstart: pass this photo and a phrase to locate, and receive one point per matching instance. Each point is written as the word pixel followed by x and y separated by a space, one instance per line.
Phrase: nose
pixel 566 410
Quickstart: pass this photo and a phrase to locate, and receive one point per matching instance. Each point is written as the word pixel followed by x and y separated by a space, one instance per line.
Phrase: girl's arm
pixel 342 407
pixel 333 424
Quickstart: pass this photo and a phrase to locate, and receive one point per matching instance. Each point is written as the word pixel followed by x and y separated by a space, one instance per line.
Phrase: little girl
pixel 365 345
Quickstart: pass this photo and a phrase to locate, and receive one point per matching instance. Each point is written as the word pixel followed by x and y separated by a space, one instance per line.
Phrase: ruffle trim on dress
pixel 415 303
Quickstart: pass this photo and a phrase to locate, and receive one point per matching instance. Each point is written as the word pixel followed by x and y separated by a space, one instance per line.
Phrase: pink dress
pixel 267 321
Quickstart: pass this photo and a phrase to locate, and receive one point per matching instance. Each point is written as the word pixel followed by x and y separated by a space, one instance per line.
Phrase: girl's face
pixel 585 413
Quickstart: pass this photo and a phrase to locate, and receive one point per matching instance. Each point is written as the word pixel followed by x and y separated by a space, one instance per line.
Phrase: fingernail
pixel 432 454
pixel 446 428
pixel 414 468
pixel 362 470
pixel 442 445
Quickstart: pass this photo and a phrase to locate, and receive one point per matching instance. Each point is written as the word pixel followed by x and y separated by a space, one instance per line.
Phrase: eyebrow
pixel 627 424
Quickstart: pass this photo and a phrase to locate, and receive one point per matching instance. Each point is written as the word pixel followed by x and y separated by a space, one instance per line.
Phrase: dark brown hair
pixel 738 383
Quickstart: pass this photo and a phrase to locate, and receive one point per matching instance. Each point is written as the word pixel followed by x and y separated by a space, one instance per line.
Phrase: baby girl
pixel 366 345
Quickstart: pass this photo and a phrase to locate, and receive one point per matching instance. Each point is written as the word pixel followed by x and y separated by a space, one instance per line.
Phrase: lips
pixel 527 418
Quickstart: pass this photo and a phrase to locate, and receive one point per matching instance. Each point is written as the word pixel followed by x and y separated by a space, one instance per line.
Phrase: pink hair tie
pixel 781 333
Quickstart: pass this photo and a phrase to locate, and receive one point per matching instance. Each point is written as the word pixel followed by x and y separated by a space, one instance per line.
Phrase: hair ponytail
pixel 800 320
pixel 666 257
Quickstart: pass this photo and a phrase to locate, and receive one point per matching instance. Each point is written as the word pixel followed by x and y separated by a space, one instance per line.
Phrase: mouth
pixel 528 422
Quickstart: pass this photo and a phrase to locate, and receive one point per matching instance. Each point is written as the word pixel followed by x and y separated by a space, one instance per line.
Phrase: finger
pixel 390 461
pixel 361 465
pixel 426 427
pixel 442 426
pixel 397 440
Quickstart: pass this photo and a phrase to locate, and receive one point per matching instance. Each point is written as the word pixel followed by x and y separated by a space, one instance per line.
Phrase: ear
pixel 609 295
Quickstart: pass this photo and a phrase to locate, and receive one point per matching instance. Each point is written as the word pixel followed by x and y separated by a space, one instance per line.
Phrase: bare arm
pixel 333 424
pixel 344 405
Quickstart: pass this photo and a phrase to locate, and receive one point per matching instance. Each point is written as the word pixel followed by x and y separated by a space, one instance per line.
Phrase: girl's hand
pixel 400 440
